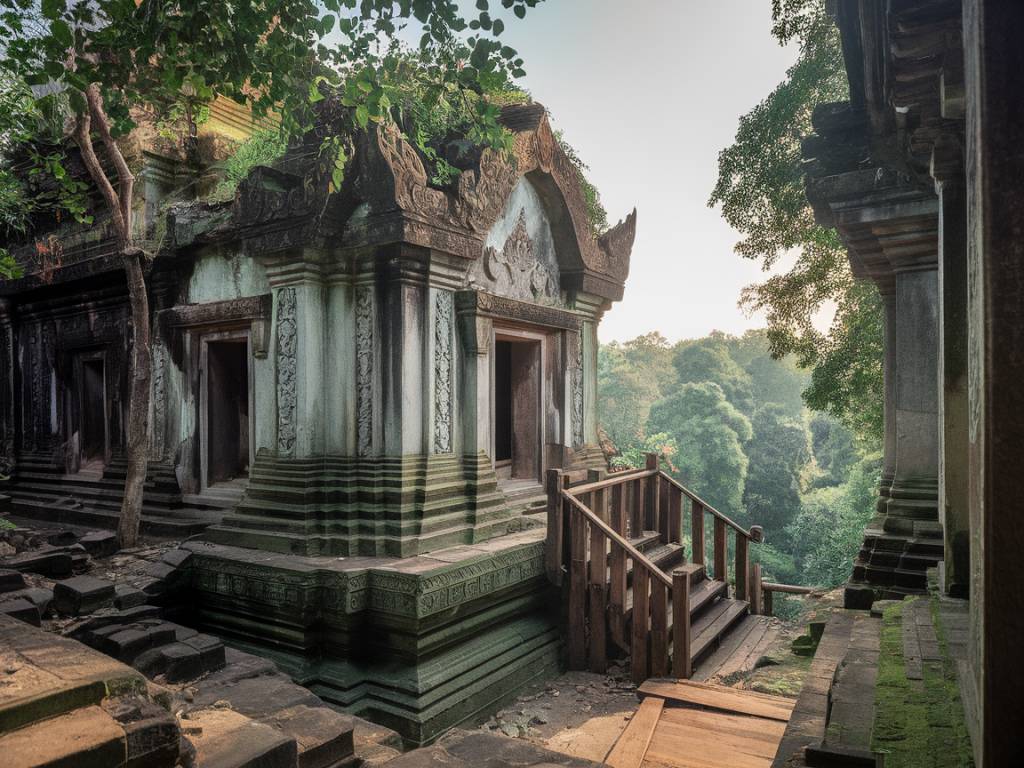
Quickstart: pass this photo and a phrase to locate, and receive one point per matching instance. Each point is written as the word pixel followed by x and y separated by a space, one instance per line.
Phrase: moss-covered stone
pixel 917 723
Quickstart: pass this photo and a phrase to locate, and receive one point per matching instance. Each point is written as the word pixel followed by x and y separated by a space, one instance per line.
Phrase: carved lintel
pixel 255 310
pixel 501 308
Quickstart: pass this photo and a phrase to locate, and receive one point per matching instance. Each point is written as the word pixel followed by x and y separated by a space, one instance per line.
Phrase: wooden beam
pixel 630 749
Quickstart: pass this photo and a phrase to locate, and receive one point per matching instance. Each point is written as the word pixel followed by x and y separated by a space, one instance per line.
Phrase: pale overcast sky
pixel 648 92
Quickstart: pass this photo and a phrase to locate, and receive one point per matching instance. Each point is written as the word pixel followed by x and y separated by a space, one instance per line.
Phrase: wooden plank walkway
pixel 689 724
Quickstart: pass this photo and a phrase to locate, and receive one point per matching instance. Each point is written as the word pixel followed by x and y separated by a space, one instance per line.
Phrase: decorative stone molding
pixel 502 308
pixel 443 322
pixel 364 369
pixel 253 309
pixel 576 347
pixel 287 366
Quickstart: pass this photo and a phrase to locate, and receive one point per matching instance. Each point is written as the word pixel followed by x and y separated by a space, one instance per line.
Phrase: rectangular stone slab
pixel 53 675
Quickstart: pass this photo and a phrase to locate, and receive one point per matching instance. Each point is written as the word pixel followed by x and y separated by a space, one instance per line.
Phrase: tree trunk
pixel 137 447
pixel 119 203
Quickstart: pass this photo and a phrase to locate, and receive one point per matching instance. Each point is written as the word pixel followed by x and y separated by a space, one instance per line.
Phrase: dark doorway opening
pixel 227 410
pixel 93 427
pixel 517 400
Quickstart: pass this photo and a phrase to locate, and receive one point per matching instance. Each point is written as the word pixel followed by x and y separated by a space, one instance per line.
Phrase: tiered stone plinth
pixel 379 506
pixel 419 644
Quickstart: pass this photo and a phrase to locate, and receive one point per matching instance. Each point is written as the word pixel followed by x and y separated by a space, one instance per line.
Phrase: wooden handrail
pixel 616 479
pixel 707 507
pixel 608 531
pixel 792 589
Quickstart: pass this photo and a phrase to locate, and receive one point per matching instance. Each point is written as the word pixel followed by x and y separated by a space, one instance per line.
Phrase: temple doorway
pixel 92 420
pixel 225 408
pixel 517 408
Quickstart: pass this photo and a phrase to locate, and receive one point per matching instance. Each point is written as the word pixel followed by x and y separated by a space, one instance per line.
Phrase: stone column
pixel 994 60
pixel 7 398
pixel 913 499
pixel 889 363
pixel 953 439
pixel 298 336
pixel 475 333
pixel 403 357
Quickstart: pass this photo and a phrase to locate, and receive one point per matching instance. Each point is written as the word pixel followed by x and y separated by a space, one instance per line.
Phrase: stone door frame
pixel 79 357
pixel 540 340
pixel 203 339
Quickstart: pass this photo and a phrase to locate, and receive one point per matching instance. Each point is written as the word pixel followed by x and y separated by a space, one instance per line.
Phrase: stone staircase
pixel 41 490
pixel 892 565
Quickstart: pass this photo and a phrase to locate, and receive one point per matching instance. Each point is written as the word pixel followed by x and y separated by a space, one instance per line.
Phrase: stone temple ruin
pixel 373 414
pixel 363 390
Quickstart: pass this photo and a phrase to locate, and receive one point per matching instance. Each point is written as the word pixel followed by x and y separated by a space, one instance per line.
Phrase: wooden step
pixel 702 594
pixel 719 697
pixel 706 632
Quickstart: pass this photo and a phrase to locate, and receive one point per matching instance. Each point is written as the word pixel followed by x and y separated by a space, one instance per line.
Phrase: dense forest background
pixel 731 424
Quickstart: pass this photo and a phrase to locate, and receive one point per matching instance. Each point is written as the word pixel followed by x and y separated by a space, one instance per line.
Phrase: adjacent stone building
pixel 363 386
pixel 922 174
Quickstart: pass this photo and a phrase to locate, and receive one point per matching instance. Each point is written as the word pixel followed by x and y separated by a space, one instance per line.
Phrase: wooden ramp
pixel 686 724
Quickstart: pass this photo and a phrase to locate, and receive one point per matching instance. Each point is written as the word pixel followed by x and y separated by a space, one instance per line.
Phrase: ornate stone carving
pixel 444 311
pixel 364 369
pixel 286 371
pixel 489 305
pixel 515 271
pixel 577 390
pixel 156 446
pixel 7 399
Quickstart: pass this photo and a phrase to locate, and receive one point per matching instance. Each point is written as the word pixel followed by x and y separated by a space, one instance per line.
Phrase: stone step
pixel 181 525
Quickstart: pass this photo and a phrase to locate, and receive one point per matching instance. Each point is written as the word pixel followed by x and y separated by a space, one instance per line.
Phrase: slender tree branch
pixel 83 137
pixel 126 179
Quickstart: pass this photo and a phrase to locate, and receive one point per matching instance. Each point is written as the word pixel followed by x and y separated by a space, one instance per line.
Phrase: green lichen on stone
pixel 918 723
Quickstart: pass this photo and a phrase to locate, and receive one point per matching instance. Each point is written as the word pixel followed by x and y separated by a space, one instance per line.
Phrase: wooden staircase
pixel 615 545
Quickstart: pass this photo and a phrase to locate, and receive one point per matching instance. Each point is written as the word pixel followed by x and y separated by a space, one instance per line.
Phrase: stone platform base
pixel 891 565
pixel 419 644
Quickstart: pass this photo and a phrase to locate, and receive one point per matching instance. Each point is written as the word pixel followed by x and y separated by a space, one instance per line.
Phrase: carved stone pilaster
pixel 287 366
pixel 576 348
pixel 364 369
pixel 443 321
pixel 159 431
pixel 7 399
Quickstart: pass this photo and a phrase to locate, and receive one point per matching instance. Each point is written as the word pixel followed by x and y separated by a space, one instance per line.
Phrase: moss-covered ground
pixel 918 723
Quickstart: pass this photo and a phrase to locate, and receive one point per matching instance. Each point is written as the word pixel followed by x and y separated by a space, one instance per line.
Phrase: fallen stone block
pixel 62 538
pixel 127 616
pixel 161 571
pixel 80 561
pixel 85 738
pixel 222 737
pixel 176 557
pixel 55 564
pixel 183 662
pixel 323 736
pixel 11 580
pixel 82 594
pixel 211 651
pixel 21 609
pixel 100 543
pixel 126 596
pixel 152 735
pixel 40 597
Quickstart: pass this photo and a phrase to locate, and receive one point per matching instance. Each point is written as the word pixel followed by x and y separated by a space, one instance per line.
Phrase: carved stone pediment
pixel 515 270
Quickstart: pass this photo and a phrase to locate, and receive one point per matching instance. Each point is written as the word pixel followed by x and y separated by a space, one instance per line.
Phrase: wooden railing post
pixel 598 571
pixel 675 514
pixel 577 589
pixel 766 601
pixel 659 629
pixel 697 532
pixel 681 624
pixel 636 512
pixel 742 567
pixel 651 496
pixel 641 622
pixel 553 552
pixel 721 570
pixel 755 590
pixel 664 510
pixel 617 589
